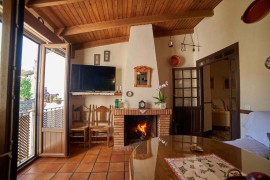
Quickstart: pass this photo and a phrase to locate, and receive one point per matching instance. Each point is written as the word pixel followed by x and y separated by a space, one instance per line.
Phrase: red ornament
pixel 175 61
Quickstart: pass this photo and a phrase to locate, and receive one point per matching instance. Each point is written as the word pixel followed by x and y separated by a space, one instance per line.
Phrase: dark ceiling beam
pixel 33 22
pixel 46 3
pixel 174 32
pixel 72 30
pixel 100 42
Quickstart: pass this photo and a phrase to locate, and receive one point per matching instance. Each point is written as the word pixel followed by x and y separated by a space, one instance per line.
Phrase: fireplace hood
pixel 141 52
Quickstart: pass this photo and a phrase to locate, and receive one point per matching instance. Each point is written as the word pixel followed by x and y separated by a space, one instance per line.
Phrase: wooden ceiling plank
pixel 110 9
pixel 129 9
pixel 100 10
pixel 85 12
pixel 90 12
pixel 74 14
pixel 151 9
pixel 134 8
pixel 120 9
pixel 165 6
pixel 125 8
pixel 100 42
pixel 63 16
pixel 95 11
pixel 174 32
pixel 80 13
pixel 46 3
pixel 105 10
pixel 114 4
pixel 139 10
pixel 135 21
pixel 147 7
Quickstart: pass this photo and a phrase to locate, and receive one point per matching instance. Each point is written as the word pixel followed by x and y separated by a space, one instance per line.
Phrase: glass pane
pixel 27 116
pixel 194 92
pixel 187 83
pixel 194 83
pixel 187 102
pixel 179 102
pixel 187 92
pixel 54 89
pixel 178 74
pixel 194 73
pixel 194 102
pixel 178 83
pixel 179 93
pixel 187 74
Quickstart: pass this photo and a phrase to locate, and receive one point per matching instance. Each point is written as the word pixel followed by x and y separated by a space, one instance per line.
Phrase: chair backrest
pixel 81 115
pixel 101 116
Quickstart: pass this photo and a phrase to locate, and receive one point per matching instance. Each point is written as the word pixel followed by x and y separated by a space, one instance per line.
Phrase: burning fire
pixel 142 128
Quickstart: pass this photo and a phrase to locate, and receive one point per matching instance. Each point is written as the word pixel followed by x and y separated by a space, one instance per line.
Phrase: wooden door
pixel 233 100
pixel 186 101
pixel 53 100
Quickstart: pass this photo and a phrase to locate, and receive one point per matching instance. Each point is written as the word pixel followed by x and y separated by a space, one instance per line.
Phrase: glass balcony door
pixel 54 100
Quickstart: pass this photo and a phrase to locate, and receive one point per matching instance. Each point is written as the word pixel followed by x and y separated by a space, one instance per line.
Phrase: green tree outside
pixel 25 89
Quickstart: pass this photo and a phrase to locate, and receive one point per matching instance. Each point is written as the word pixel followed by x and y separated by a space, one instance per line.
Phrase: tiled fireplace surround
pixel 163 122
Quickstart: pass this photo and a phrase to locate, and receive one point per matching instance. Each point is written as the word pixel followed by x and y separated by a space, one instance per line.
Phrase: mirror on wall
pixel 142 76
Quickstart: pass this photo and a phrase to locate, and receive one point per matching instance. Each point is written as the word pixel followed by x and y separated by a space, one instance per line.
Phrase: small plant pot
pixel 162 105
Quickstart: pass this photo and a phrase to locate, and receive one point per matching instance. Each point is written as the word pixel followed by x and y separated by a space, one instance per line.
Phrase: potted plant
pixel 161 99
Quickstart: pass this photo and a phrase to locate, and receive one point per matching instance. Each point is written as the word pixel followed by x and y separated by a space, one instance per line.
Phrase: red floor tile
pixel 98 176
pixel 85 167
pixel 100 167
pixel 104 158
pixel 116 176
pixel 45 167
pixel 39 176
pixel 68 167
pixel 118 158
pixel 62 176
pixel 119 166
pixel 89 158
pixel 80 176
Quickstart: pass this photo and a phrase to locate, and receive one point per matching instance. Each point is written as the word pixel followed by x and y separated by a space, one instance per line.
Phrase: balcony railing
pixel 52 118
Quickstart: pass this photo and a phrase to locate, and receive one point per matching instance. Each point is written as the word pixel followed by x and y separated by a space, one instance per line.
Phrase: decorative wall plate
pixel 267 63
pixel 129 93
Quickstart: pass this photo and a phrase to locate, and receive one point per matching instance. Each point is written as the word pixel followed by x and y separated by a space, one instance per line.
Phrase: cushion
pixel 258 125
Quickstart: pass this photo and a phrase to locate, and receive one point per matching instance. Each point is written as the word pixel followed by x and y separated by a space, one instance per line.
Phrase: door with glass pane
pixel 54 100
pixel 27 109
pixel 186 101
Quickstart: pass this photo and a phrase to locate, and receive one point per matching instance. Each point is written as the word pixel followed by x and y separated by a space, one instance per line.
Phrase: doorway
pixel 221 94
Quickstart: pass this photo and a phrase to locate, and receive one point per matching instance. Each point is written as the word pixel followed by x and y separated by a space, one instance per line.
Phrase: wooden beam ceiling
pixel 46 3
pixel 72 30
pixel 100 42
pixel 174 32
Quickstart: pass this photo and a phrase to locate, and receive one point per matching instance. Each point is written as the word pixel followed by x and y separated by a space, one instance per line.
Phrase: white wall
pixel 226 28
pixel 164 53
pixel 118 56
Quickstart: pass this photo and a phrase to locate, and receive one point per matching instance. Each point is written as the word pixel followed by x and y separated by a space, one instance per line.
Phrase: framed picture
pixel 96 59
pixel 106 56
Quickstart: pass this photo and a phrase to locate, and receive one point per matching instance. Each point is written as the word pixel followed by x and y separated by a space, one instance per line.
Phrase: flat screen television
pixel 92 78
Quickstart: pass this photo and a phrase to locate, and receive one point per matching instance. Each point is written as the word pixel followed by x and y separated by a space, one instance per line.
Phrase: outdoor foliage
pixel 25 89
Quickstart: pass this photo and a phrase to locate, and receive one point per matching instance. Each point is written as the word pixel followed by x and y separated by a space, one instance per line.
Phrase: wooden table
pixel 147 161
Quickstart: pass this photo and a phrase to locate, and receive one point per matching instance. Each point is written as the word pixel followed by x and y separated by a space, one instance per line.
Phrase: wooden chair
pixel 100 126
pixel 79 131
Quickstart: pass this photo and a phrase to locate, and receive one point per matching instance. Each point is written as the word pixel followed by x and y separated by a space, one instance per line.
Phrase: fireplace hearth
pixel 139 128
pixel 163 117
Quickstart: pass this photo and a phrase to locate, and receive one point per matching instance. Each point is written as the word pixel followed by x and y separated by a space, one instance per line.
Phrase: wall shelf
pixel 96 93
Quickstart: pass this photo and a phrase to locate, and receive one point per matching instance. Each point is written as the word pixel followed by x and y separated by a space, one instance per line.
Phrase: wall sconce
pixel 170 42
pixel 183 44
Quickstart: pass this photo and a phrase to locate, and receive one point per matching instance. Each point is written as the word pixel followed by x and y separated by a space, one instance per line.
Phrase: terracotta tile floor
pixel 96 163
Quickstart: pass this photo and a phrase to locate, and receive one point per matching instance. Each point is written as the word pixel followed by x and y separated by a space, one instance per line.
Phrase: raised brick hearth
pixel 163 122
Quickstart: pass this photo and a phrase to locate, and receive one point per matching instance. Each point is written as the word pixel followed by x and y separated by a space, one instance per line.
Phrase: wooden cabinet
pixel 186 101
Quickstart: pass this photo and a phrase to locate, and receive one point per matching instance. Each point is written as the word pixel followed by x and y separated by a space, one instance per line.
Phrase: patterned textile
pixel 200 167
